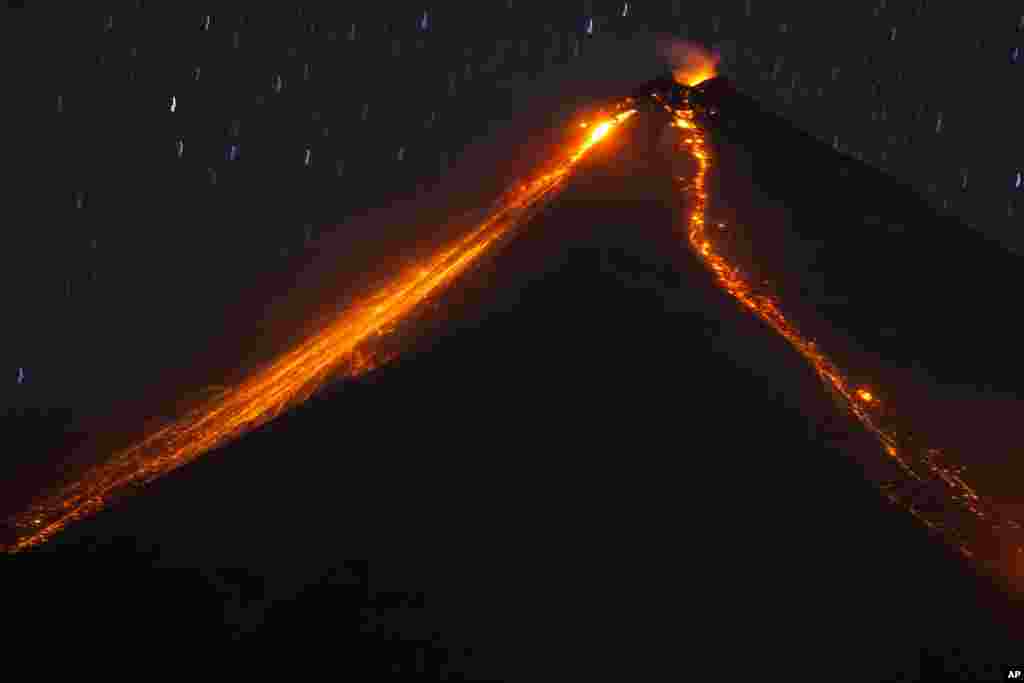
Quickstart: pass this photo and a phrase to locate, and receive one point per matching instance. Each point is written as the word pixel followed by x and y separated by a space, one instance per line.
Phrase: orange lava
pixel 350 346
pixel 344 348
pixel 764 306
pixel 963 517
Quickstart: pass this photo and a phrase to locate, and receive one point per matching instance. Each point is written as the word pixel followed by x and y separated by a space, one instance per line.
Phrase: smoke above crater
pixel 690 62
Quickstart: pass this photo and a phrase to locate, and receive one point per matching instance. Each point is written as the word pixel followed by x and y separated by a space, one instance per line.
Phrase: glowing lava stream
pixel 963 507
pixel 729 278
pixel 338 350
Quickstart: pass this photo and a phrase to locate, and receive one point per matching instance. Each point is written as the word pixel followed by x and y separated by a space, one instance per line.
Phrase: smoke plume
pixel 690 62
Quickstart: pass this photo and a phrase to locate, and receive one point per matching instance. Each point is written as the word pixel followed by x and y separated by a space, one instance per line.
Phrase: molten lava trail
pixel 917 478
pixel 349 346
pixel 920 480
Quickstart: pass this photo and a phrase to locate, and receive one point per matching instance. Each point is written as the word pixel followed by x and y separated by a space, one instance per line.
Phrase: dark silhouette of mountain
pixel 593 463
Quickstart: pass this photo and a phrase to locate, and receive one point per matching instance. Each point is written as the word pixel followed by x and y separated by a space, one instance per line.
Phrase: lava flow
pixel 952 507
pixel 346 347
